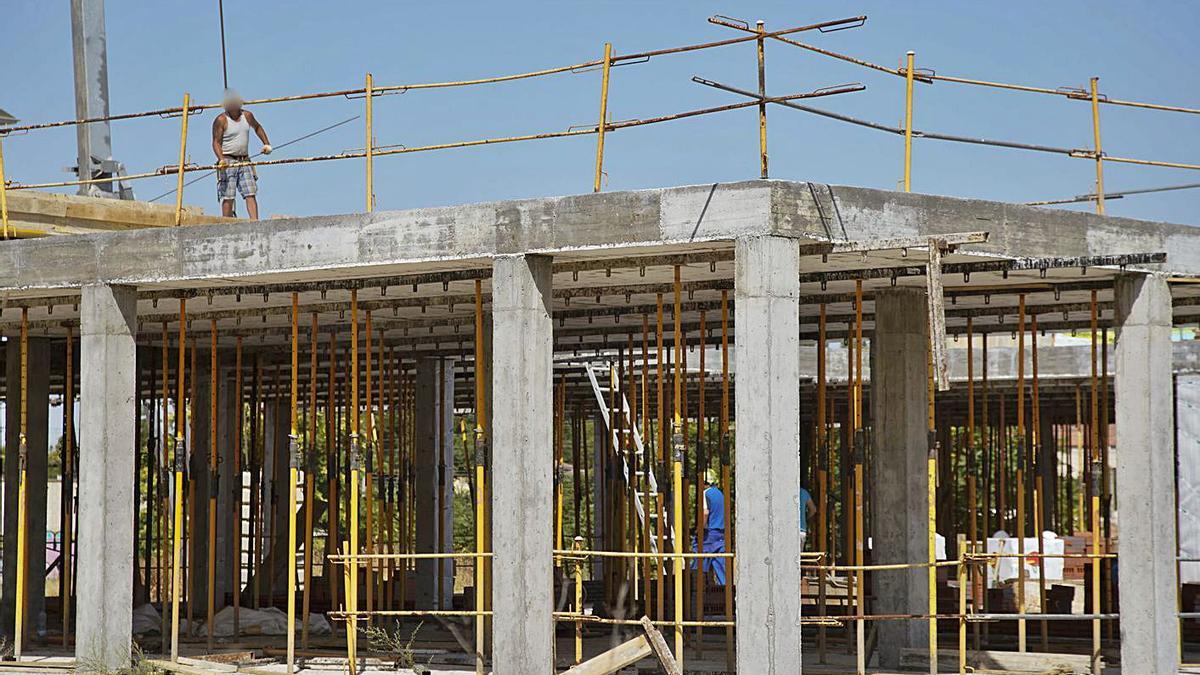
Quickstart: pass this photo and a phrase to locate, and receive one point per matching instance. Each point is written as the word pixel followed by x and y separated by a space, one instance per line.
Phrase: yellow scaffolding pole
pixel 183 129
pixel 860 591
pixel 3 196
pixel 908 122
pixel 293 476
pixel 606 67
pixel 351 572
pixel 1096 471
pixel 677 524
pixel 369 151
pixel 763 168
pixel 480 477
pixel 180 451
pixel 22 490
pixel 1096 142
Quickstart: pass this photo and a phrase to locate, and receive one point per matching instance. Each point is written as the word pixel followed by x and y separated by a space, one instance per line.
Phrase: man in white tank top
pixel 231 144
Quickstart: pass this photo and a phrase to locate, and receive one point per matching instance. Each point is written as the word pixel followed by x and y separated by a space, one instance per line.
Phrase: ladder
pixel 643 481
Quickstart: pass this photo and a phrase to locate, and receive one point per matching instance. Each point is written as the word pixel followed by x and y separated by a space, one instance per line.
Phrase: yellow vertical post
pixel 725 471
pixel 183 128
pixel 293 471
pixel 822 477
pixel 177 532
pixel 3 196
pixel 23 456
pixel 972 466
pixel 310 484
pixel 1095 81
pixel 962 612
pixel 212 479
pixel 763 171
pixel 1096 470
pixel 601 127
pixel 370 146
pixel 860 590
pixel 578 601
pixel 480 478
pixel 931 524
pixel 1022 454
pixel 908 114
pixel 352 564
pixel 677 525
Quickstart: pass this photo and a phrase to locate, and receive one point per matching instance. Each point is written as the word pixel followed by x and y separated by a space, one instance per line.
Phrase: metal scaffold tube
pixel 180 460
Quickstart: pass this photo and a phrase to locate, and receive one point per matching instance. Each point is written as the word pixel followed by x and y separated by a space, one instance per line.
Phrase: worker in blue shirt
pixel 713 512
pixel 807 508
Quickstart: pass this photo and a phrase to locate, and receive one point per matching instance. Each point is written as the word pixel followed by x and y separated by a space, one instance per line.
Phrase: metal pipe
pixel 1096 144
pixel 481 498
pixel 183 129
pixel 4 232
pixel 603 124
pixel 352 581
pixel 213 480
pixel 908 131
pixel 762 104
pixel 369 151
pixel 22 493
pixel 180 451
pixel 677 525
pixel 293 471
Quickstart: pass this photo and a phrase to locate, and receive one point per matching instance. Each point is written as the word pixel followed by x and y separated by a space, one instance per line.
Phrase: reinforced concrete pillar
pixel 107 424
pixel 767 578
pixel 434 475
pixel 899 477
pixel 522 465
pixel 1145 480
pixel 37 445
pixel 1187 412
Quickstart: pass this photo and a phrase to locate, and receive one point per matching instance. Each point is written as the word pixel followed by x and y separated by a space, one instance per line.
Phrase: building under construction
pixel 488 437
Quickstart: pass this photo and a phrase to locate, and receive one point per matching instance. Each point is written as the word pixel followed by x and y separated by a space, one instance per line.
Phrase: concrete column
pixel 899 478
pixel 523 459
pixel 230 484
pixel 434 474
pixel 1145 481
pixel 1048 470
pixel 1187 413
pixel 108 419
pixel 37 446
pixel 198 473
pixel 767 583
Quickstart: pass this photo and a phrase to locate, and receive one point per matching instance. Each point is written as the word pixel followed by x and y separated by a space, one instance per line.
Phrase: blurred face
pixel 233 108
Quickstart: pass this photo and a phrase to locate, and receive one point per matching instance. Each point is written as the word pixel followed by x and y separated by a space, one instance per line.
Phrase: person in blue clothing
pixel 713 512
pixel 807 508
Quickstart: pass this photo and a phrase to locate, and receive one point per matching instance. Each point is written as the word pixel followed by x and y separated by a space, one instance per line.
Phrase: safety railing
pixel 759 99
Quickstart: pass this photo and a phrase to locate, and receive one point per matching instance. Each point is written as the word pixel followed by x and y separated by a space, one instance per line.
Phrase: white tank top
pixel 235 141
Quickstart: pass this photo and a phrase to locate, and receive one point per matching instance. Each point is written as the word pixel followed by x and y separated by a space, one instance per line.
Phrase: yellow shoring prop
pixel 310 476
pixel 1022 453
pixel 677 472
pixel 481 498
pixel 180 452
pixel 68 482
pixel 369 468
pixel 605 68
pixel 908 125
pixel 1039 515
pixel 972 467
pixel 213 480
pixel 352 568
pixel 858 450
pixel 660 415
pixel 822 475
pixel 725 476
pixel 183 130
pixel 293 476
pixel 577 545
pixel 1094 442
pixel 237 489
pixel 763 167
pixel 22 492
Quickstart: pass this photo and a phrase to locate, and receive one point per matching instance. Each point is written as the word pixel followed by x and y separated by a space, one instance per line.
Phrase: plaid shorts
pixel 234 180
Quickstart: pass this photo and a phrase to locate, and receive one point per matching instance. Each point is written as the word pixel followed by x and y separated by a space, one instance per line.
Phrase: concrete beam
pixel 767 291
pixel 108 382
pixel 899 475
pixel 1145 416
pixel 522 465
pixel 375 243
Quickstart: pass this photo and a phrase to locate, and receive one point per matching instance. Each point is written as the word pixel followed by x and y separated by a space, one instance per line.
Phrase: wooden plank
pixel 176 667
pixel 659 645
pixel 937 314
pixel 624 654
pixel 1017 662
pixel 218 666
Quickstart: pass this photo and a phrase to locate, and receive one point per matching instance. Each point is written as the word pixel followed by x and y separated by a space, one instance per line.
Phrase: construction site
pixel 760 427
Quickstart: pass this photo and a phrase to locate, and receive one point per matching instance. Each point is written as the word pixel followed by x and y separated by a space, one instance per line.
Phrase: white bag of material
pixel 146 620
pixel 266 621
pixel 1004 570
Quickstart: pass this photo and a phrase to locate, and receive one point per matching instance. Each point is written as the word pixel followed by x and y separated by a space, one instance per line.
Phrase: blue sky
pixel 157 50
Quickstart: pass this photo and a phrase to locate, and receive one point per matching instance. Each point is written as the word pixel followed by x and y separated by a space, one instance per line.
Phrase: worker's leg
pixel 247 185
pixel 252 207
pixel 227 208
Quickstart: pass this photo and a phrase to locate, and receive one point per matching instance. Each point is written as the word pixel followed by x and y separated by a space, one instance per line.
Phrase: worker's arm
pixel 217 131
pixel 259 131
pixel 812 508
